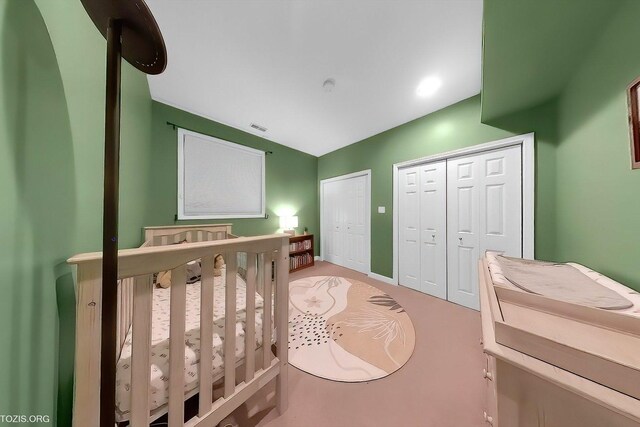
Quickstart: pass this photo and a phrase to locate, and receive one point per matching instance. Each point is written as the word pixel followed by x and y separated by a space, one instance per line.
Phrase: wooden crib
pixel 267 273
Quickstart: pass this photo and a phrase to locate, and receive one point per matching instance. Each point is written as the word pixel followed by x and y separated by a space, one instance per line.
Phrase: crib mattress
pixel 159 371
pixel 632 296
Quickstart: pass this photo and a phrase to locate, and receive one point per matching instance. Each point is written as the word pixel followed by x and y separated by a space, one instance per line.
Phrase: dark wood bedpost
pixel 133 34
pixel 110 224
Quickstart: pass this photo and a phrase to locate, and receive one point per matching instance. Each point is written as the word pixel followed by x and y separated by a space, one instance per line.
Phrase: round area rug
pixel 345 330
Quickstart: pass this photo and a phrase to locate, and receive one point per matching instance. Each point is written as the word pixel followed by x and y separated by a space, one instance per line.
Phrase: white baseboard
pixel 382 278
pixel 317 258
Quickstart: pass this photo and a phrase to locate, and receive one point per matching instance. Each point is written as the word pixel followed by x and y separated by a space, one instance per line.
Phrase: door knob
pixel 433 236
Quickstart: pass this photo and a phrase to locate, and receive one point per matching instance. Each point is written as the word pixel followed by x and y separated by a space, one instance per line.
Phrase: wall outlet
pixel 381 209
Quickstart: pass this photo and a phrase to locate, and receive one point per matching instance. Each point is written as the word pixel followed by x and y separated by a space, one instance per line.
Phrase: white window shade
pixel 218 179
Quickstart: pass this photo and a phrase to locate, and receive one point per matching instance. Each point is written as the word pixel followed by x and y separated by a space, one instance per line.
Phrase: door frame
pixel 526 141
pixel 367 173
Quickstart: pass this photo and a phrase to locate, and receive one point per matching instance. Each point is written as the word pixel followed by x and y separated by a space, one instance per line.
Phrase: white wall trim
pixel 528 187
pixel 317 258
pixel 382 278
pixel 366 173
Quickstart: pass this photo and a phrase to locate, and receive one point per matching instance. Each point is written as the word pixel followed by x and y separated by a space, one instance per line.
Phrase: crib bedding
pixel 498 277
pixel 159 371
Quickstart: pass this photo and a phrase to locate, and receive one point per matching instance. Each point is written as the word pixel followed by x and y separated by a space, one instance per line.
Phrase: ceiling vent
pixel 258 127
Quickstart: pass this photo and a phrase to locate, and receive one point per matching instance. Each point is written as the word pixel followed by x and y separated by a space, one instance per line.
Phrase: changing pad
pixel 560 281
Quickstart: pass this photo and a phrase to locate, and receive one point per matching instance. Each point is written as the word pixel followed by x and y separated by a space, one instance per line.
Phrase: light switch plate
pixel 381 209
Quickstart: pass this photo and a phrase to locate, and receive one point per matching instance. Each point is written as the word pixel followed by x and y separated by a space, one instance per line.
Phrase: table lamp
pixel 288 224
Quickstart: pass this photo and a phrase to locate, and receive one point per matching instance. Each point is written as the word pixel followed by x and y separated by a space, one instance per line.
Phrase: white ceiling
pixel 264 61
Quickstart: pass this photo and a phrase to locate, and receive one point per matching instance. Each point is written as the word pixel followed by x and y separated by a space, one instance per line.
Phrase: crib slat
pixel 266 311
pixel 250 327
pixel 260 281
pixel 120 334
pixel 206 335
pixel 282 325
pixel 176 346
pixel 125 309
pixel 230 326
pixel 141 350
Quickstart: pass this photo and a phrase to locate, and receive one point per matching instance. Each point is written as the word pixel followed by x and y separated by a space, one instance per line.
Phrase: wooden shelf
pixel 303 248
pixel 300 252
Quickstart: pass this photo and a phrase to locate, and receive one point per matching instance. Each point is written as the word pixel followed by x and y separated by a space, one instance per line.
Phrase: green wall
pixel 51 154
pixel 598 195
pixel 451 128
pixel 51 150
pixel 531 48
pixel 291 176
pixel 35 146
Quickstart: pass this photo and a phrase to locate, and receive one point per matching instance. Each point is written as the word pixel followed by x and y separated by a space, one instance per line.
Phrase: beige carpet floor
pixel 440 386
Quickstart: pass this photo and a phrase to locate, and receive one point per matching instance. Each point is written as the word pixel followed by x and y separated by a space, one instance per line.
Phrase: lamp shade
pixel 288 222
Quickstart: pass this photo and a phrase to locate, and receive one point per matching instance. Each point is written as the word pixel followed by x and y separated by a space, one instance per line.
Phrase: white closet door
pixel 355 222
pixel 433 229
pixel 345 211
pixel 409 227
pixel 333 214
pixel 501 208
pixel 463 223
pixel 484 212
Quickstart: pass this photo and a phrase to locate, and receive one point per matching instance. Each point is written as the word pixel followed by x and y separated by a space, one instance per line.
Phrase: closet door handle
pixel 487 374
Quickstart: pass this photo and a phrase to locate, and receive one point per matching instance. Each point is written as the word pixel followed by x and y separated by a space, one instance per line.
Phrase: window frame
pixel 182 133
pixel 633 100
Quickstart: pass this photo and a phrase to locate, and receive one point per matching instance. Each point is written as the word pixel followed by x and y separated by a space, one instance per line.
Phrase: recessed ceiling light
pixel 428 86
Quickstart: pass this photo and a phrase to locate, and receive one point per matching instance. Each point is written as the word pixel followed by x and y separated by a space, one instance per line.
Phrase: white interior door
pixel 409 227
pixel 501 206
pixel 333 214
pixel 356 224
pixel 463 222
pixel 433 229
pixel 484 196
pixel 345 211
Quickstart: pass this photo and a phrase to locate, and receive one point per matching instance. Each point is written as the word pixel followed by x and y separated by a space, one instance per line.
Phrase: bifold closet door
pixel 422 225
pixel 355 223
pixel 346 222
pixel 433 229
pixel 409 227
pixel 333 218
pixel 484 197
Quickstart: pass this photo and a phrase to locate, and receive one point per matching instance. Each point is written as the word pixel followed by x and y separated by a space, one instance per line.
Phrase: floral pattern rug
pixel 345 330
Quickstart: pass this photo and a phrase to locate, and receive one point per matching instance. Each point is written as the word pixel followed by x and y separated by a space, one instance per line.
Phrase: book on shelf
pixel 298 261
pixel 300 246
